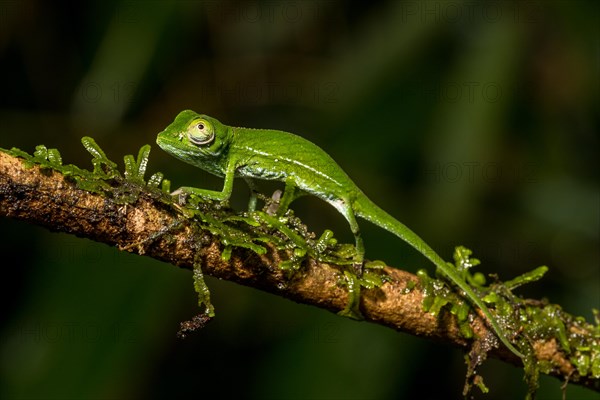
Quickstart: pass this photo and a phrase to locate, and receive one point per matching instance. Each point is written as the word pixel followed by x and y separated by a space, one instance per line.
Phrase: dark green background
pixel 474 123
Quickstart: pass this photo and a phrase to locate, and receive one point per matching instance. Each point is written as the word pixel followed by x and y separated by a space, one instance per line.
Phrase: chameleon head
pixel 194 137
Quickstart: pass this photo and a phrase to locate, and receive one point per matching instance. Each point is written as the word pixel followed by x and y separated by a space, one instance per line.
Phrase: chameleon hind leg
pixel 348 213
pixel 292 192
pixel 352 308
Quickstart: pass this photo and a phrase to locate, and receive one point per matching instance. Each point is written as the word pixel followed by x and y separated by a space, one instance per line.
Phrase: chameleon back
pixel 279 155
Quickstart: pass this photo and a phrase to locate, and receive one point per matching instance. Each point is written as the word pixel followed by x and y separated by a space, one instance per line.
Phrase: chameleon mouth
pixel 159 139
pixel 165 144
pixel 163 140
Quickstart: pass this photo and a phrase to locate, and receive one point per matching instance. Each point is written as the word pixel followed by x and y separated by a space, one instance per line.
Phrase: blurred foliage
pixel 474 123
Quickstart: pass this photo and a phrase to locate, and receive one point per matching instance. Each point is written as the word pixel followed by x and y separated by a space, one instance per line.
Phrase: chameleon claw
pixel 352 309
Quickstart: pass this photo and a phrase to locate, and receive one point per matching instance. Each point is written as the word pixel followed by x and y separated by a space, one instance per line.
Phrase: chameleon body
pixel 304 167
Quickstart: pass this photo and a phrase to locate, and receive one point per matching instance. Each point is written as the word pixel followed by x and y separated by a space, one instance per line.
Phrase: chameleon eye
pixel 200 134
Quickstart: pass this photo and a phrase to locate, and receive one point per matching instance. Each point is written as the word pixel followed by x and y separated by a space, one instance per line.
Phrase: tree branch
pixel 44 197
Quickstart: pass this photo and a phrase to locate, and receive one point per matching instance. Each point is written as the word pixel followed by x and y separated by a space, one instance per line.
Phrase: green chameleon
pixel 305 168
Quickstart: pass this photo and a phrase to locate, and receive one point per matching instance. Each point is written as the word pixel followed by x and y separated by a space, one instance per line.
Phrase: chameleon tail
pixel 366 209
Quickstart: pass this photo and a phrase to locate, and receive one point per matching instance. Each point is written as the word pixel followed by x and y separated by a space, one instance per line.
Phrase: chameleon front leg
pixel 223 195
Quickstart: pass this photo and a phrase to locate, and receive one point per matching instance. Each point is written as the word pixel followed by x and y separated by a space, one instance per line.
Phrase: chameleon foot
pixel 352 307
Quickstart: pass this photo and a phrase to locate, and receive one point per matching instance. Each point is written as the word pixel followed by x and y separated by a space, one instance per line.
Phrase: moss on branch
pixel 140 217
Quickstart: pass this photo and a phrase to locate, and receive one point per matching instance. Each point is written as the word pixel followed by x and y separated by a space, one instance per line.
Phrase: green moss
pixel 248 230
pixel 253 231
pixel 438 295
pixel 202 289
pixel 528 321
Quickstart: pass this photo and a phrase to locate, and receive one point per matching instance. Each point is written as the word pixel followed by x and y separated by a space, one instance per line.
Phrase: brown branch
pixel 43 197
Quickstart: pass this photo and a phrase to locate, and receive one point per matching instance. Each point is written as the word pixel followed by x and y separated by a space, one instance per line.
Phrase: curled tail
pixel 366 209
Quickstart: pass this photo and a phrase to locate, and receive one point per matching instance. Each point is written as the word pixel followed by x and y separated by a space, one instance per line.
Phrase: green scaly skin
pixel 305 168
